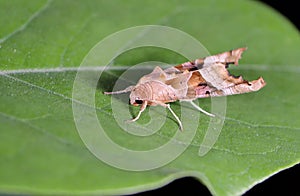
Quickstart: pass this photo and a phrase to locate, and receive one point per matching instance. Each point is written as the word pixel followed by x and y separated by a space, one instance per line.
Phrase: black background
pixel 285 183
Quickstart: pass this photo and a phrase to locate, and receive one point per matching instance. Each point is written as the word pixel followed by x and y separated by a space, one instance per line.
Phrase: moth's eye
pixel 139 101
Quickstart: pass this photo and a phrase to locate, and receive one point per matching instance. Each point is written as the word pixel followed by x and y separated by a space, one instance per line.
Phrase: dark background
pixel 285 183
pixel 290 9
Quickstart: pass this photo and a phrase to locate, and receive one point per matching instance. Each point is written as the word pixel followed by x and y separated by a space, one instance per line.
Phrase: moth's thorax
pixel 153 91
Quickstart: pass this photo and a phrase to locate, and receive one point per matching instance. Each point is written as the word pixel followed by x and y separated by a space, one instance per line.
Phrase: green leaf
pixel 43 44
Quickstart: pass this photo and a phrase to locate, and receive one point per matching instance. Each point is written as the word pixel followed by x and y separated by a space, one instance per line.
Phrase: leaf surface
pixel 43 45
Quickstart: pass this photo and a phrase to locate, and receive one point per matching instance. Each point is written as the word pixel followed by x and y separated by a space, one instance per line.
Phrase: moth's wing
pixel 172 71
pixel 157 74
pixel 197 85
pixel 218 76
pixel 180 83
pixel 241 88
pixel 225 58
pixel 215 80
pixel 229 57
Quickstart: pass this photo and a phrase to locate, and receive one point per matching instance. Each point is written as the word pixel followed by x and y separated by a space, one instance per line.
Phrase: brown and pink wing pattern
pixel 226 58
pixel 210 77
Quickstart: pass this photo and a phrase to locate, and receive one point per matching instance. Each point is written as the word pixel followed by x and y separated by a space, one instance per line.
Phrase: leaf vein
pixel 26 122
pixel 85 23
pixel 25 25
pixel 262 125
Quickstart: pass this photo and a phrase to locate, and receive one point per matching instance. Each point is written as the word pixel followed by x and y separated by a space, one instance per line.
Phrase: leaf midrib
pixel 257 67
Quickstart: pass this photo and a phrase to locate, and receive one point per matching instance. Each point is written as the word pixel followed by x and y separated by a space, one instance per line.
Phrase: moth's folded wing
pixel 217 76
pixel 215 80
pixel 229 57
pixel 246 87
pixel 156 75
pixel 225 58
pixel 198 87
pixel 180 84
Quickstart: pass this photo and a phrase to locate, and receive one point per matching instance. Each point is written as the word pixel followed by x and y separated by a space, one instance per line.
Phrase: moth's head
pixel 138 95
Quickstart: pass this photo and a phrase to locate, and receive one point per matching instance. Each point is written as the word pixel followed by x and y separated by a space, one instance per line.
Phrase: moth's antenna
pixel 128 89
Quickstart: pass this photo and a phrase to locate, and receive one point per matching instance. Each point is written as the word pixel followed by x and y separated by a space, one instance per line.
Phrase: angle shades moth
pixel 201 78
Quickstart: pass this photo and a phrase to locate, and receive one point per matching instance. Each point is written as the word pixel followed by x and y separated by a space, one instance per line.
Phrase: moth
pixel 201 78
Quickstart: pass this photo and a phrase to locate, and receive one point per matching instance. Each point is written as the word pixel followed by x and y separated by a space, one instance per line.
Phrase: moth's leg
pixel 176 117
pixel 128 89
pixel 201 110
pixel 142 108
pixel 178 120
